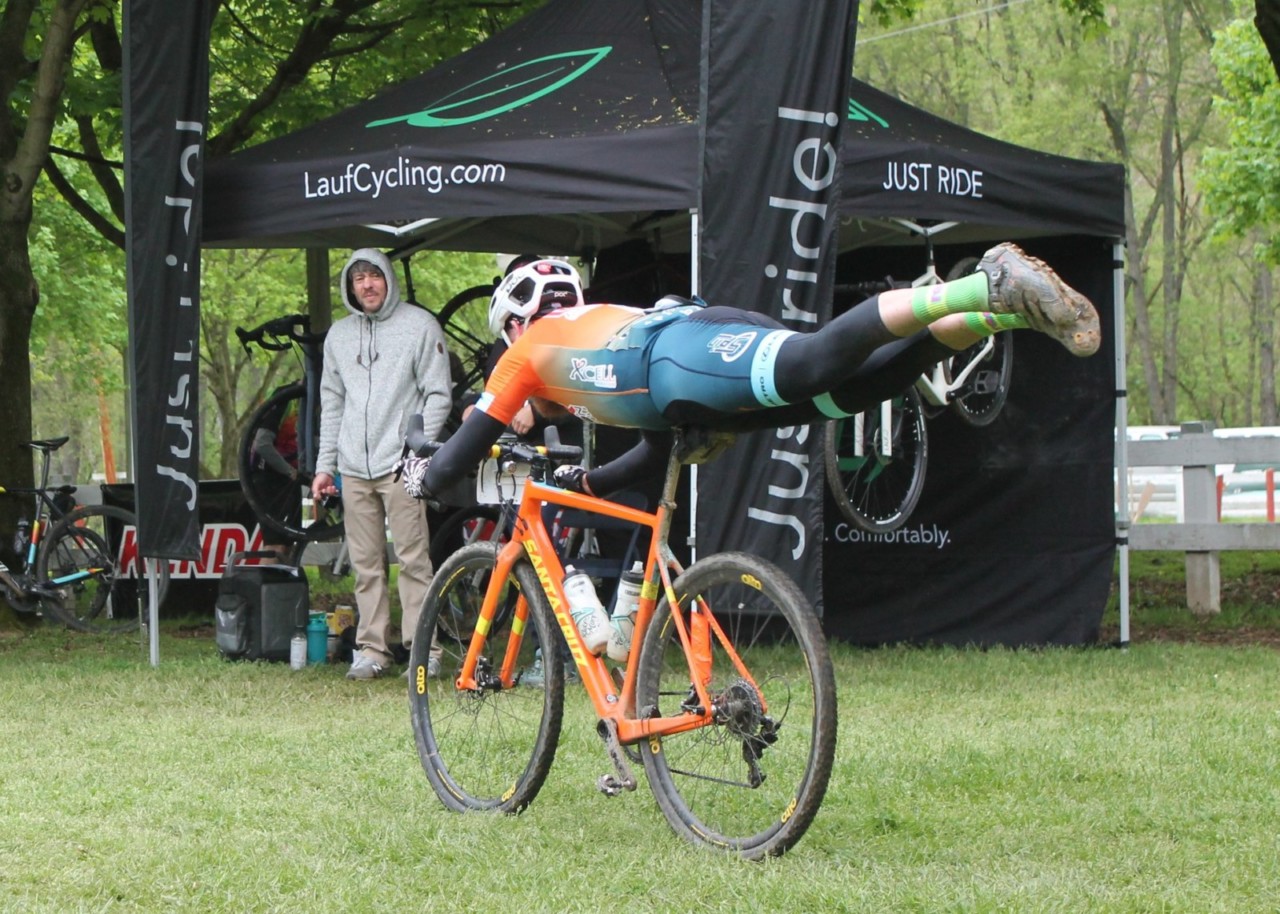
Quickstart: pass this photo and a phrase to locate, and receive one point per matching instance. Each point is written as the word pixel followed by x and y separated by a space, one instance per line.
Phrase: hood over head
pixel 381 261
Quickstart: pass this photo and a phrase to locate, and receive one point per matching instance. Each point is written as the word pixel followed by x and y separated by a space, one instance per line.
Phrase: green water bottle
pixel 317 639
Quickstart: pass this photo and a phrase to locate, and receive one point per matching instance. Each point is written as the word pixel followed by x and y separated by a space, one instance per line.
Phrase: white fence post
pixel 1200 494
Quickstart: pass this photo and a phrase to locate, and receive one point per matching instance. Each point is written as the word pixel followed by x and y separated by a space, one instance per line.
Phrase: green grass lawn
pixel 1158 600
pixel 1065 780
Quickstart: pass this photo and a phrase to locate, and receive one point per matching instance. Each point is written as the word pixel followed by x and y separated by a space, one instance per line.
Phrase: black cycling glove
pixel 571 477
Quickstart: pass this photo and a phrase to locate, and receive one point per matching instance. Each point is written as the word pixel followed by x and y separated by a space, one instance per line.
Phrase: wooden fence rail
pixel 1200 535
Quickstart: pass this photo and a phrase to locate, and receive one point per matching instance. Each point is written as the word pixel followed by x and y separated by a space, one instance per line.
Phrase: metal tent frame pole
pixel 1122 441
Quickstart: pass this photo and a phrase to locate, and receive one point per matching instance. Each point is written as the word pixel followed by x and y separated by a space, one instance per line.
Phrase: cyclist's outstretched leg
pixel 491 746
pixel 752 782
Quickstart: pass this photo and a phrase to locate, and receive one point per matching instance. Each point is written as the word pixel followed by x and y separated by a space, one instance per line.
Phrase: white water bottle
pixel 298 650
pixel 623 621
pixel 588 615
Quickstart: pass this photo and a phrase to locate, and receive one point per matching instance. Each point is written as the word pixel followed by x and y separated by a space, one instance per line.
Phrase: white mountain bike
pixel 876 460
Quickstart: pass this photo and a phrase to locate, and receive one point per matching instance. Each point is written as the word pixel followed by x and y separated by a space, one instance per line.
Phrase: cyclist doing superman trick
pixel 727 370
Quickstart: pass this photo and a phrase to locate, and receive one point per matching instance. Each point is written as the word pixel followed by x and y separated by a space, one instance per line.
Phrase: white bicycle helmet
pixel 534 289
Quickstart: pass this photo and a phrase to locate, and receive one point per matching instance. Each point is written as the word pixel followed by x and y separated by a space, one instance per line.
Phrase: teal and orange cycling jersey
pixel 622 366
pixel 592 360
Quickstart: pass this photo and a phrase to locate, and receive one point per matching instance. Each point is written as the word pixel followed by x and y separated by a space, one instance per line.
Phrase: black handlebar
pixel 279 333
pixel 553 451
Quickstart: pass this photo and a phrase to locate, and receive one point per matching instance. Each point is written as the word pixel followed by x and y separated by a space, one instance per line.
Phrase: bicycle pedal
pixel 608 785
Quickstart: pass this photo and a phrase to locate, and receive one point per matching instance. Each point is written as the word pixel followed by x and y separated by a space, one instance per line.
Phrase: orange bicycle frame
pixel 612 700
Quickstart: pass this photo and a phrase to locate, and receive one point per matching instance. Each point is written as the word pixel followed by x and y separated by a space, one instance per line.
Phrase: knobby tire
pixel 700 778
pixel 491 748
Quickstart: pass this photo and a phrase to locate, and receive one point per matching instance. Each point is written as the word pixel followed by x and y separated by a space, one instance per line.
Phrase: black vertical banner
pixel 166 100
pixel 776 78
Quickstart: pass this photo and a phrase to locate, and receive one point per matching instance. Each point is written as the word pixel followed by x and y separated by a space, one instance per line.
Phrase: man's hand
pixel 573 478
pixel 322 486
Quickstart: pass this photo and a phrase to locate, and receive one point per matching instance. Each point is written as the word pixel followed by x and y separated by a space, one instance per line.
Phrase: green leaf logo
pixel 503 91
pixel 858 113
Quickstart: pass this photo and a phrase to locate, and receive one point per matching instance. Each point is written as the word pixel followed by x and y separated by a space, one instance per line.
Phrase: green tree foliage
pixel 1242 174
pixel 1139 92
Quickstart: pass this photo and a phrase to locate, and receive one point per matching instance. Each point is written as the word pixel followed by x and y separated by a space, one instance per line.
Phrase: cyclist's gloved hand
pixel 571 477
pixel 411 470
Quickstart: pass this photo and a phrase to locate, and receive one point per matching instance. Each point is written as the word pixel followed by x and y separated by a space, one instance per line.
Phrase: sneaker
pixel 1025 285
pixel 364 668
pixel 433 669
pixel 534 676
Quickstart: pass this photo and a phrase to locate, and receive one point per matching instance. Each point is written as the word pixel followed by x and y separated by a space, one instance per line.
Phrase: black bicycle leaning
pixel 289 422
pixel 73 573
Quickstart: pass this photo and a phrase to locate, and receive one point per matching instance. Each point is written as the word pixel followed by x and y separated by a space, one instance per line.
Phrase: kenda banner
pixel 777 75
pixel 166 94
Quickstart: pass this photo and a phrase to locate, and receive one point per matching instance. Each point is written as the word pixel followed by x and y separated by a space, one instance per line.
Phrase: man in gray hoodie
pixel 382 363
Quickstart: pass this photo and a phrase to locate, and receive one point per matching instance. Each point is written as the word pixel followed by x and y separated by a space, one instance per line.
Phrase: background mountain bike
pixel 71 569
pixel 876 460
pixel 281 504
pixel 727 698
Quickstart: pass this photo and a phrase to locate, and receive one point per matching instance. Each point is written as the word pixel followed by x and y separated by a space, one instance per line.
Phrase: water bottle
pixel 22 538
pixel 298 649
pixel 623 621
pixel 588 615
pixel 317 639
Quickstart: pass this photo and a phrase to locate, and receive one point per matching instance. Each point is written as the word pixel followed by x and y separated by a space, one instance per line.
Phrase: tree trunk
pixel 18 296
pixel 1267 19
pixel 1264 293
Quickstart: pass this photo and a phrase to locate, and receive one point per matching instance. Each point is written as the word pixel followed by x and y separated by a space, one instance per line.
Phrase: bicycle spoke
pixel 752 781
pixel 78 562
pixel 876 488
pixel 489 747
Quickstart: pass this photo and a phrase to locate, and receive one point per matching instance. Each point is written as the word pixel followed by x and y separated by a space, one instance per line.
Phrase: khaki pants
pixel 369 506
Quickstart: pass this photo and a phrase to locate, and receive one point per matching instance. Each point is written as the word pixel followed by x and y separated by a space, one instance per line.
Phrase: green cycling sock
pixel 985 324
pixel 928 303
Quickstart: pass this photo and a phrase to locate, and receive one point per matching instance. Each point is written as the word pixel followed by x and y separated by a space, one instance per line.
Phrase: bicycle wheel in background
pixel 77 559
pixel 283 505
pixel 979 400
pixel 874 490
pixel 465 322
pixel 491 747
pixel 752 782
pixel 473 524
pixel 981 397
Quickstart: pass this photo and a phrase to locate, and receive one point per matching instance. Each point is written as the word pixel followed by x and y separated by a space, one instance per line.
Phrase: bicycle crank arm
pixel 608 784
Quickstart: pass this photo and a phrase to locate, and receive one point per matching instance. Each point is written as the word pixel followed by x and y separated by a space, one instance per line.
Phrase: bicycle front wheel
pixel 877 487
pixel 488 747
pixel 80 561
pixel 752 781
pixel 276 500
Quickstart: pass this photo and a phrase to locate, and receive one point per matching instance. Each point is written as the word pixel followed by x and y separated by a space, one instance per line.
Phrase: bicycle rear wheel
pixel 876 490
pixel 489 747
pixel 981 397
pixel 80 561
pixel 752 782
pixel 276 500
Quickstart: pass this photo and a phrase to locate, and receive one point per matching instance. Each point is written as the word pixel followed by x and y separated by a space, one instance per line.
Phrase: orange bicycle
pixel 727 697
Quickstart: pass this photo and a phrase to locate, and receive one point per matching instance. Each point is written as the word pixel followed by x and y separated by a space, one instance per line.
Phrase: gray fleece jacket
pixel 379 369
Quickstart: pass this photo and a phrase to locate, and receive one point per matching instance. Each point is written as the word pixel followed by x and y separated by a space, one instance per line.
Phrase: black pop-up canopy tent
pixel 576 130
